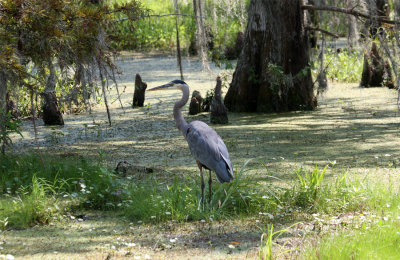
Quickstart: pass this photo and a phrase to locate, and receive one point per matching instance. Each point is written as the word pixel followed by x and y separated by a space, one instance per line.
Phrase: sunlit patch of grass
pixel 379 240
pixel 152 201
pixel 374 230
pixel 311 192
pixel 374 234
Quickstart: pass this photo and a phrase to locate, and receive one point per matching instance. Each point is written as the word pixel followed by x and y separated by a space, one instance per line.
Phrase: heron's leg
pixel 202 181
pixel 202 185
pixel 209 185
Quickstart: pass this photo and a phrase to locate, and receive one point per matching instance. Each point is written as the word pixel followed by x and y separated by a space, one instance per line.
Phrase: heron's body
pixel 204 143
pixel 208 148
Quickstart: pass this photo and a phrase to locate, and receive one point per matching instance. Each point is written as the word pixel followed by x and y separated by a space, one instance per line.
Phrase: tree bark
pixel 200 33
pixel 3 111
pixel 313 20
pixel 376 8
pixel 352 36
pixel 178 44
pixel 51 111
pixel 138 95
pixel 219 113
pixel 3 92
pixel 103 88
pixel 272 73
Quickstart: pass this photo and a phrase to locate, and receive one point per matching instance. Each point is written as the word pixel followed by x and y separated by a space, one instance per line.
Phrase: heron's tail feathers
pixel 224 171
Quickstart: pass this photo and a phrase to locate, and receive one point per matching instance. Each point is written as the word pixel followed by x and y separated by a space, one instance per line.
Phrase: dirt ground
pixel 357 128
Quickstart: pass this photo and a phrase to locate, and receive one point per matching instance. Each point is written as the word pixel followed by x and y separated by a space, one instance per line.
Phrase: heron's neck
pixel 180 121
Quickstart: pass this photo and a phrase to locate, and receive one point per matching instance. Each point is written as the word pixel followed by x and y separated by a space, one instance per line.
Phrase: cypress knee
pixel 219 113
pixel 140 89
pixel 376 71
pixel 195 103
pixel 51 111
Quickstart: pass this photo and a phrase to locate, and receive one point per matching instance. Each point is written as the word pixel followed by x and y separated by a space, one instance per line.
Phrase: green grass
pixel 33 192
pixel 29 206
pixel 265 251
pixel 311 192
pixel 374 231
pixel 181 200
pixel 76 177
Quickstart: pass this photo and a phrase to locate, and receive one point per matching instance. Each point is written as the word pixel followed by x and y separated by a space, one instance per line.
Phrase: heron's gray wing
pixel 225 156
pixel 209 149
pixel 203 141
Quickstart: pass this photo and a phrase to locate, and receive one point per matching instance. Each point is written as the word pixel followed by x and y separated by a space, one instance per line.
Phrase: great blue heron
pixel 205 144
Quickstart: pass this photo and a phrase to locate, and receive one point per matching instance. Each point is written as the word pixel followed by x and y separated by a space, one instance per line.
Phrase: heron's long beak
pixel 168 85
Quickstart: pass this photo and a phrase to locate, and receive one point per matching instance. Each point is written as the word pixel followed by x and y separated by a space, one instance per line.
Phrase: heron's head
pixel 175 84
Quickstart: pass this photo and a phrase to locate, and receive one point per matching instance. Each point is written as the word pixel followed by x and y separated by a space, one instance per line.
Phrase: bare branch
pixel 322 31
pixel 349 11
pixel 154 15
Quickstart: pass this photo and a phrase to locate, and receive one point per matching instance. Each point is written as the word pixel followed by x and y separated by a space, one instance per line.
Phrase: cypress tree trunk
pixel 272 74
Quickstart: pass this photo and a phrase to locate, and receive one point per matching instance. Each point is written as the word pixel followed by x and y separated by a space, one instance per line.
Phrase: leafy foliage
pixel 345 66
pixel 160 33
pixel 73 33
